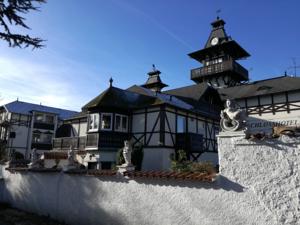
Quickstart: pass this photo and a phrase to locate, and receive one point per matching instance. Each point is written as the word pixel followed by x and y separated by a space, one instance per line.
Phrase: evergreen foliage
pixel 10 11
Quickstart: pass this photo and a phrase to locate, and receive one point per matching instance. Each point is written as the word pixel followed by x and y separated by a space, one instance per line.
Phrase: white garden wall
pixel 259 185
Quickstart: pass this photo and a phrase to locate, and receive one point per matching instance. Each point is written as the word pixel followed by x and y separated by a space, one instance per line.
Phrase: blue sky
pixel 90 41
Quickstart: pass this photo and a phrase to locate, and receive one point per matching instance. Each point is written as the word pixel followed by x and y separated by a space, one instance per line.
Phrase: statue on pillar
pixel 72 164
pixel 127 166
pixel 232 118
pixel 127 150
pixel 35 162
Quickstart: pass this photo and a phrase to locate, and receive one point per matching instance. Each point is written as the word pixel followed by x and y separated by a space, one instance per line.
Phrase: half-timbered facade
pixel 159 121
pixel 271 102
pixel 183 118
pixel 25 126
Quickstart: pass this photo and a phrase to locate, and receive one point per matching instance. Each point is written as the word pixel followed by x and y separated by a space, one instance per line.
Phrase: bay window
pixel 94 122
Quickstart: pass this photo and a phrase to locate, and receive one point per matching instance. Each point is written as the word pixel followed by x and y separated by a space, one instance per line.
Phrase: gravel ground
pixel 10 216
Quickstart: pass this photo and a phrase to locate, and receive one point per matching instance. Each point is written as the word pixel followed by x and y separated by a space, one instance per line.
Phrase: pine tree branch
pixel 9 16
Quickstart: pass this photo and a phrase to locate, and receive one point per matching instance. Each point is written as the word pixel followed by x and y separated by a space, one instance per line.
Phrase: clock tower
pixel 218 58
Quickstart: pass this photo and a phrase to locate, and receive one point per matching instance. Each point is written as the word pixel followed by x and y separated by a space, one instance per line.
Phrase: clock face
pixel 214 41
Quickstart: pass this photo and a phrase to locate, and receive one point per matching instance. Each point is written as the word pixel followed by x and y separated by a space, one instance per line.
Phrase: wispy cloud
pixel 57 85
pixel 155 22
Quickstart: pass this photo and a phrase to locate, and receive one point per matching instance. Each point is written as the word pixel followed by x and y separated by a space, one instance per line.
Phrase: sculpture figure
pixel 71 156
pixel 232 118
pixel 127 150
pixel 33 156
pixel 35 162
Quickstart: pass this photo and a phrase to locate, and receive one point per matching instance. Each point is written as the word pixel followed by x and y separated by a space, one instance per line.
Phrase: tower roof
pixel 154 81
pixel 218 41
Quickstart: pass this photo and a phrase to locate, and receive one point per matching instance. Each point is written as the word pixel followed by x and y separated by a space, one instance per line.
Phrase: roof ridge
pixel 272 78
pixel 29 103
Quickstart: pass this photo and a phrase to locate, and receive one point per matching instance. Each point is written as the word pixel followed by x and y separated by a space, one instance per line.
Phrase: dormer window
pixel 94 122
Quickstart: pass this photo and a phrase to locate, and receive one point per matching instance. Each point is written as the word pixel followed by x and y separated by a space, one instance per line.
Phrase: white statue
pixel 71 160
pixel 33 157
pixel 71 156
pixel 34 160
pixel 232 118
pixel 127 150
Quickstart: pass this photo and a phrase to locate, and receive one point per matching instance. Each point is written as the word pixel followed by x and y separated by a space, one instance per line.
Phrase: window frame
pixel 121 123
pixel 184 124
pixel 94 128
pixel 111 122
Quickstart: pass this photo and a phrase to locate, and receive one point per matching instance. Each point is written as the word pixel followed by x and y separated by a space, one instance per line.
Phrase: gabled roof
pixel 262 87
pixel 27 108
pixel 188 98
pixel 162 97
pixel 194 91
pixel 117 98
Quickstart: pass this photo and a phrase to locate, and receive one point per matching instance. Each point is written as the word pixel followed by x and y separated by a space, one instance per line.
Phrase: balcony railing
pixel 67 142
pixel 228 65
pixel 91 141
pixel 43 125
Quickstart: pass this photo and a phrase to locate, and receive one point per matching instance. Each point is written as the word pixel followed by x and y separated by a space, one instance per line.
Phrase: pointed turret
pixel 154 82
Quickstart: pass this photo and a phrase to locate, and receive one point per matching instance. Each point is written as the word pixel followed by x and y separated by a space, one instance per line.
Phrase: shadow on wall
pixel 220 183
pixel 53 195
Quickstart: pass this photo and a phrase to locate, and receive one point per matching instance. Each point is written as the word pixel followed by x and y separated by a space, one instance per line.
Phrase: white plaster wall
pixel 192 125
pixel 83 129
pixel 269 170
pixel 82 200
pixel 138 123
pixel 209 157
pixel 75 128
pixel 151 119
pixel 108 156
pixel 21 136
pixel 157 159
pixel 171 119
pixel 50 163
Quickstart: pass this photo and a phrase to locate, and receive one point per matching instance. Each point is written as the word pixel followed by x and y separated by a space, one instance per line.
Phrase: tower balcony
pixel 226 67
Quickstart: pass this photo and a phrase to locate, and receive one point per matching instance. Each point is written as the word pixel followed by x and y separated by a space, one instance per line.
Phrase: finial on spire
pixel 153 67
pixel 218 13
pixel 110 82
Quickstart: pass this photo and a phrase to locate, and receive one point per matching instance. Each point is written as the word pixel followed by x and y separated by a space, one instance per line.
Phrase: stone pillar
pixel 227 142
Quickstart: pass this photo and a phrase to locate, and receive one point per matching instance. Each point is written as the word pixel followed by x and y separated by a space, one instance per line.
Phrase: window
pixel 121 123
pixel 94 122
pixel 39 117
pixel 49 119
pixel 36 137
pixel 106 121
pixel 181 124
pixel 47 138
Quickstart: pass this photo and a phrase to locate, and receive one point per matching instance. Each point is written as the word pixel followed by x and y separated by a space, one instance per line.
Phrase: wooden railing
pixel 228 65
pixel 94 140
pixel 66 142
